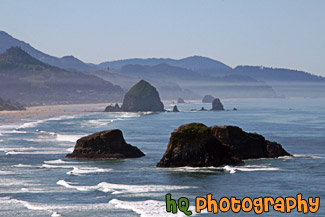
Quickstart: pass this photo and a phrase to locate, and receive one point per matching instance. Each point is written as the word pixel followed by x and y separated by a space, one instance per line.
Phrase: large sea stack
pixel 197 145
pixel 104 145
pixel 217 105
pixel 207 99
pixel 142 97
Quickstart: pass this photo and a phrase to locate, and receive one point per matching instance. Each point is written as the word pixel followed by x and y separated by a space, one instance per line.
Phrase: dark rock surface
pixel 207 99
pixel 217 105
pixel 194 145
pixel 104 145
pixel 9 106
pixel 115 108
pixel 175 109
pixel 142 97
pixel 197 145
pixel 180 100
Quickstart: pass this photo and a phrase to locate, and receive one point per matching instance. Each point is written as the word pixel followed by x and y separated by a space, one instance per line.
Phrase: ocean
pixel 37 180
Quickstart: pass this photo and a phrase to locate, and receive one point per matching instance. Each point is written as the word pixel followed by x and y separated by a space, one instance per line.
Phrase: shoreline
pixel 49 111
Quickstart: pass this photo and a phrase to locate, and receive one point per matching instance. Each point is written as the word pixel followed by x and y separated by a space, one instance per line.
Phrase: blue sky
pixel 277 33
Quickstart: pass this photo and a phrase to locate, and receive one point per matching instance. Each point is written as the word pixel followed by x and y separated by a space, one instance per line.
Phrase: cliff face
pixel 197 145
pixel 142 97
pixel 105 144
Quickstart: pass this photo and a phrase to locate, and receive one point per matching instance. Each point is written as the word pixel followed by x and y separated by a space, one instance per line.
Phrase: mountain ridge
pixel 31 82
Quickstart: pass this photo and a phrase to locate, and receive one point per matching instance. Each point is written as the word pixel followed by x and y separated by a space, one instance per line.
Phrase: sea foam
pixel 122 188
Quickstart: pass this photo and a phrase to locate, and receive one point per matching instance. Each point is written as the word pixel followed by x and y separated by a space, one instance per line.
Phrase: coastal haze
pixel 107 106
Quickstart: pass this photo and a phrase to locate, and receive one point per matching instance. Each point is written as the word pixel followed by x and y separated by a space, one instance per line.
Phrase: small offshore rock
pixel 104 145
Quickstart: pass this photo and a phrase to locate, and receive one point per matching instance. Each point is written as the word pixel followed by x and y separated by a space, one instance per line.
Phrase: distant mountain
pixel 231 85
pixel 167 90
pixel 202 65
pixel 286 82
pixel 67 62
pixel 31 82
pixel 277 74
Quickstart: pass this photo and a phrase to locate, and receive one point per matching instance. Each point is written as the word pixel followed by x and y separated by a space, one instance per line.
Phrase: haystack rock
pixel 142 97
pixel 207 99
pixel 104 145
pixel 217 105
pixel 197 145
pixel 180 100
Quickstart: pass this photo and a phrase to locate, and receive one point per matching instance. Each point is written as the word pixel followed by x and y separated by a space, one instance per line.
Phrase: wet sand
pixel 40 112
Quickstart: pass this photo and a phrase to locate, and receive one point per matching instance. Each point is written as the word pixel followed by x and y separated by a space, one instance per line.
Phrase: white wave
pixel 249 168
pixel 194 169
pixel 121 188
pixel 85 170
pixel 40 151
pixel 53 209
pixel 70 149
pixel 6 172
pixel 14 150
pixel 63 117
pixel 99 122
pixel 30 124
pixel 58 161
pixel 56 166
pixel 308 156
pixel 77 170
pixel 68 138
pixel 147 208
pixel 15 182
pixel 23 165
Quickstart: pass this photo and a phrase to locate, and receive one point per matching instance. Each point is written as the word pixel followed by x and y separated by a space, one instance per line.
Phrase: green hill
pixel 31 82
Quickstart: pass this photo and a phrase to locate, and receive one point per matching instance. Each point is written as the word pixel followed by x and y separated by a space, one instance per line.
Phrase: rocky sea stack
pixel 197 145
pixel 175 109
pixel 207 99
pixel 180 100
pixel 104 145
pixel 217 105
pixel 142 97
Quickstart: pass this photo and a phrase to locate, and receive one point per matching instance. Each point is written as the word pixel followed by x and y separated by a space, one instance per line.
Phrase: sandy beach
pixel 49 111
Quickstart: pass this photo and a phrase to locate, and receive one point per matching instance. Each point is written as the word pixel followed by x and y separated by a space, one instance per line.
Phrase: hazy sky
pixel 277 33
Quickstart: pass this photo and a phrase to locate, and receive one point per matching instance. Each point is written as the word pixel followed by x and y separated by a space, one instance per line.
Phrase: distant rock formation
pixel 8 106
pixel 197 145
pixel 234 109
pixel 175 109
pixel 180 100
pixel 217 105
pixel 115 108
pixel 142 97
pixel 202 109
pixel 207 99
pixel 104 145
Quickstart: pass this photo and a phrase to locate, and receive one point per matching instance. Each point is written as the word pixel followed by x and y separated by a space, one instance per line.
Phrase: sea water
pixel 37 180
